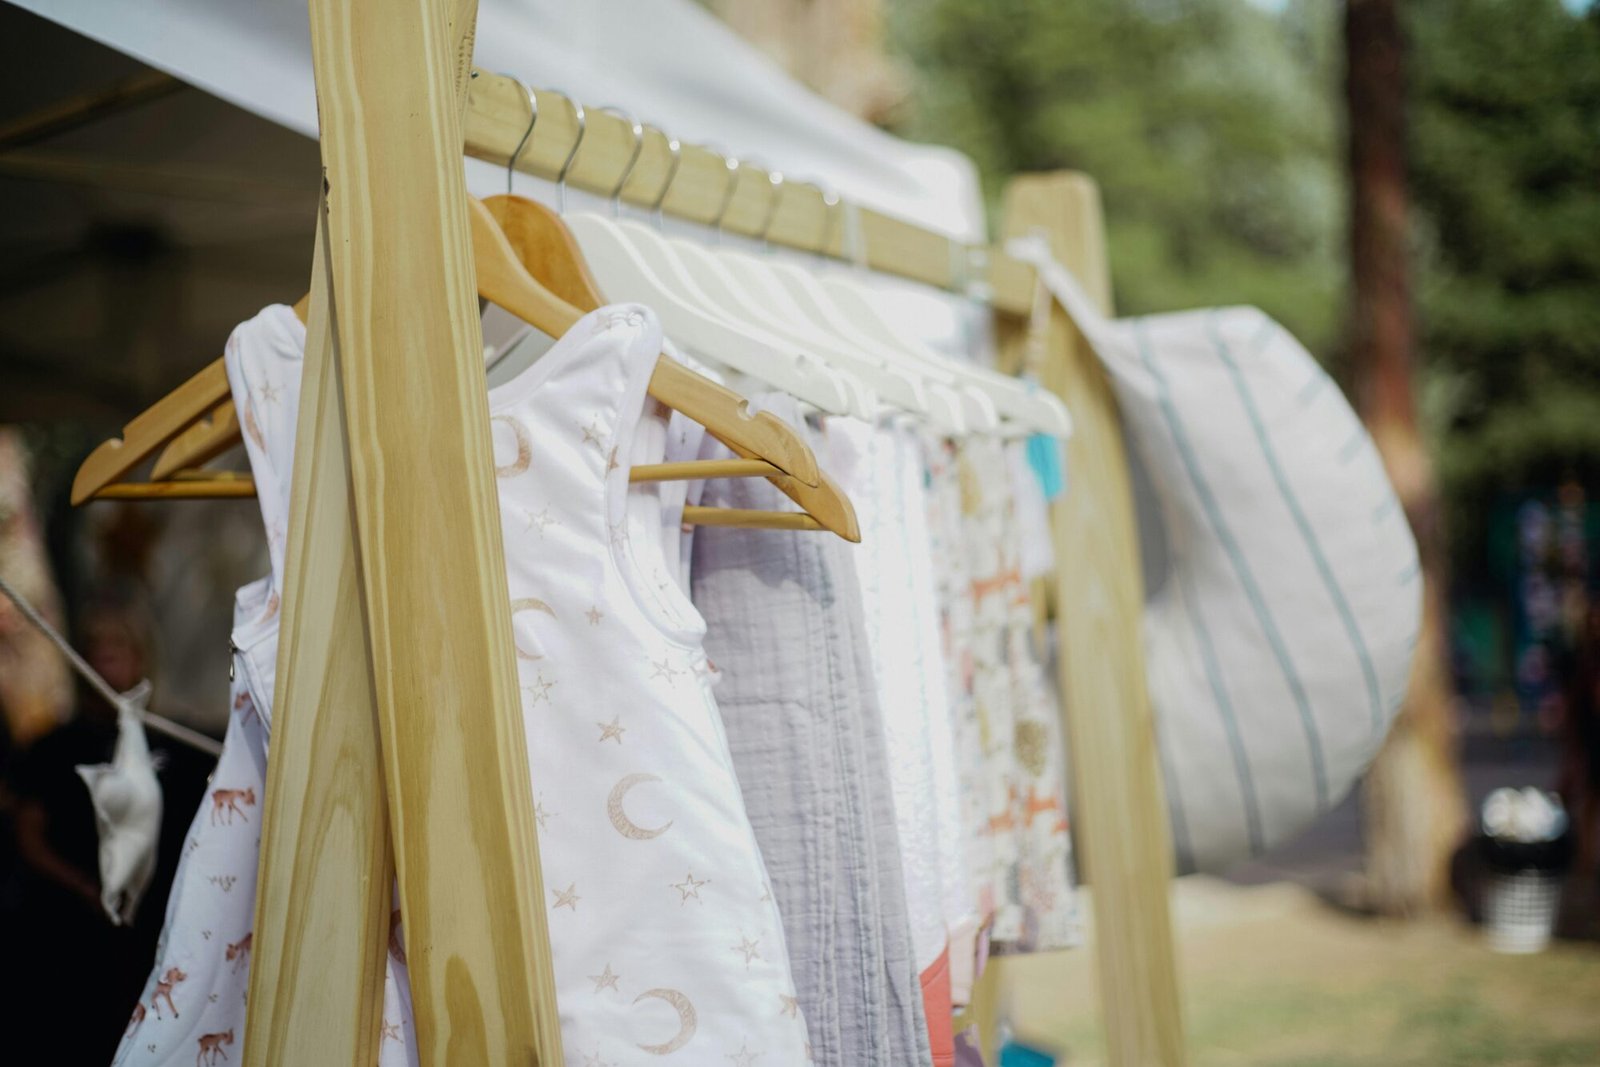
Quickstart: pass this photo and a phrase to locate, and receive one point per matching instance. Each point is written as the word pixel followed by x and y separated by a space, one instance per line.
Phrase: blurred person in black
pixel 67 964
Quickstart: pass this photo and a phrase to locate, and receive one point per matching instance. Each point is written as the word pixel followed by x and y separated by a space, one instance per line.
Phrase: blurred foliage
pixel 1505 160
pixel 1212 127
pixel 1215 129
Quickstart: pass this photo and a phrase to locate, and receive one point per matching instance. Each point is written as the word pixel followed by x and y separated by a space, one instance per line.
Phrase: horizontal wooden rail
pixel 800 218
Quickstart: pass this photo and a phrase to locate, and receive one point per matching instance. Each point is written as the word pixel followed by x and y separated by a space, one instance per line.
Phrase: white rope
pixel 176 731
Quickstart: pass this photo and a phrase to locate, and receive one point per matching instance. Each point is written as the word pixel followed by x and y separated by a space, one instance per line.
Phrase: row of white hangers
pixel 819 339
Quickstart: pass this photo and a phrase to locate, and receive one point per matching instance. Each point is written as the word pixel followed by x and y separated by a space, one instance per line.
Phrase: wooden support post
pixel 408 347
pixel 397 319
pixel 1120 815
pixel 322 894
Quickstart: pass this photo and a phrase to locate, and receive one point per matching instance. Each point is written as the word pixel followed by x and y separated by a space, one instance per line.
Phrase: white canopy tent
pixel 669 61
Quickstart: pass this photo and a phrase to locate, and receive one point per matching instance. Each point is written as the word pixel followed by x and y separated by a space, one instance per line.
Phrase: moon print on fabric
pixel 619 818
pixel 520 605
pixel 686 1019
pixel 524 448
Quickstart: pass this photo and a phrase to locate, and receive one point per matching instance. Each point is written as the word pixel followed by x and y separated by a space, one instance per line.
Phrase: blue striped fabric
pixel 1369 674
pixel 1241 567
pixel 1280 640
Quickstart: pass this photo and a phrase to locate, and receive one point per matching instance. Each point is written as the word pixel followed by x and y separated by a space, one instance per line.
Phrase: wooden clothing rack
pixel 398 747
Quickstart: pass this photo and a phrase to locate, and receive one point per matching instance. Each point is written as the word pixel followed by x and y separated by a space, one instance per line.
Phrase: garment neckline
pixel 535 374
pixel 281 317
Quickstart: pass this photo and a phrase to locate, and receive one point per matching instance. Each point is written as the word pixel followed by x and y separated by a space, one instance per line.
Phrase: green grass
pixel 1272 978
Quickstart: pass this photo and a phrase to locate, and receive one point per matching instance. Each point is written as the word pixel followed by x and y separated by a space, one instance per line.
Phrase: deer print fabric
pixel 193 1002
pixel 193 1007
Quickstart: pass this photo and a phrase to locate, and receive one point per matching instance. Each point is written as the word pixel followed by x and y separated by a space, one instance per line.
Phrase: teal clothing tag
pixel 1016 1054
pixel 1048 460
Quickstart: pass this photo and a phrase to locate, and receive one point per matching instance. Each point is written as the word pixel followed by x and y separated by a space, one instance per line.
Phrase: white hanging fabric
pixel 1279 646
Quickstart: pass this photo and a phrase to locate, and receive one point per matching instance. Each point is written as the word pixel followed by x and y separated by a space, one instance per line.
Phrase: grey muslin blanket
pixel 784 628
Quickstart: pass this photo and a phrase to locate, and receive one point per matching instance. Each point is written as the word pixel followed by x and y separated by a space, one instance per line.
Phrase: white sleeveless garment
pixel 665 937
pixel 192 1007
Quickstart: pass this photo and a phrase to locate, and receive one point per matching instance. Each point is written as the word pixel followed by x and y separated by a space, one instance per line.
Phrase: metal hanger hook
pixel 561 175
pixel 633 159
pixel 830 214
pixel 775 179
pixel 675 150
pixel 732 164
pixel 533 119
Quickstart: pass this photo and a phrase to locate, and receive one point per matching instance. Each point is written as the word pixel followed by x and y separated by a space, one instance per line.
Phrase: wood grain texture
pixel 408 348
pixel 497 119
pixel 200 443
pixel 322 896
pixel 1120 813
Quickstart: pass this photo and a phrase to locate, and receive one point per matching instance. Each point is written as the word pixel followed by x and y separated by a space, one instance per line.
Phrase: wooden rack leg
pixel 408 350
pixel 1121 817
pixel 322 897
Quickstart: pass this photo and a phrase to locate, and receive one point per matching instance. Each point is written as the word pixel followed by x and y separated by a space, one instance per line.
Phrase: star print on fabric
pixel 690 887
pixel 744 1057
pixel 607 979
pixel 664 669
pixel 747 948
pixel 541 814
pixel 595 1061
pixel 595 615
pixel 391 1030
pixel 538 690
pixel 540 521
pixel 613 730
pixel 591 432
pixel 611 462
pixel 619 534
pixel 268 392
pixel 567 898
pixel 791 1005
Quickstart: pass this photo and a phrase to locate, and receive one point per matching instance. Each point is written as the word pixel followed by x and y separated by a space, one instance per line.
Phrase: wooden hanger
pixel 501 280
pixel 540 239
pixel 768 446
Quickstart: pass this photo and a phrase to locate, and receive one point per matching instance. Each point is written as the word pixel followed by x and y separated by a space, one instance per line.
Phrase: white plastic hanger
pixel 624 275
pixel 664 261
pixel 741 292
pixel 672 263
pixel 941 407
pixel 1026 409
pixel 788 288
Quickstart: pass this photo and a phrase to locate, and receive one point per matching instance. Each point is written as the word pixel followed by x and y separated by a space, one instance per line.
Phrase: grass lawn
pixel 1273 976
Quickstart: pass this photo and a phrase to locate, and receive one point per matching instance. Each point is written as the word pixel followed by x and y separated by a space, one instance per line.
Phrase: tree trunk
pixel 1414 811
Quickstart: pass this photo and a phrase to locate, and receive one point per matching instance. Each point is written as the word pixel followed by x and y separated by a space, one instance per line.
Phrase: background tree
pixel 1505 166
pixel 1414 811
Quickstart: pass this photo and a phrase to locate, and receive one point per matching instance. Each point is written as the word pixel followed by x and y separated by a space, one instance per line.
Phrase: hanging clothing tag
pixel 1047 455
pixel 1048 463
